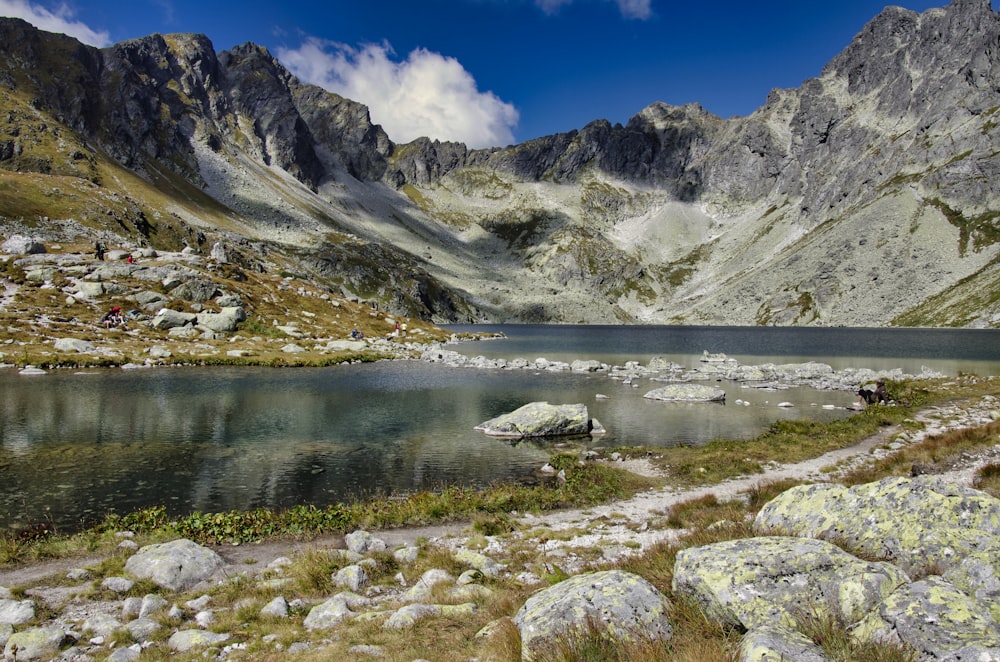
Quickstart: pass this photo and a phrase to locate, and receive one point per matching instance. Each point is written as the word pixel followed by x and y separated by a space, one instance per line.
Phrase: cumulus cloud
pixel 427 94
pixel 59 19
pixel 637 9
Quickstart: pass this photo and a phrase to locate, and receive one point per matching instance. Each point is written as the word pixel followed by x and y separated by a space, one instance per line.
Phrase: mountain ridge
pixel 864 197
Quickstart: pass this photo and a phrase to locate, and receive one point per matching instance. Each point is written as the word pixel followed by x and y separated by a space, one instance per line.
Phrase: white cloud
pixel 638 9
pixel 59 19
pixel 427 94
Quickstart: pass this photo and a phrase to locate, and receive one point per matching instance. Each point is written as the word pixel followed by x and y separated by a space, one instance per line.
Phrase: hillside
pixel 868 196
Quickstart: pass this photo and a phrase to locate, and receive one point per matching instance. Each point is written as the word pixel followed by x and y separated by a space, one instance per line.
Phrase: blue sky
pixel 496 72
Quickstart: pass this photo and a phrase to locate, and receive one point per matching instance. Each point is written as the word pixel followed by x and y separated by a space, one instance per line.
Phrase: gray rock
pixel 915 522
pixel 421 590
pixel 539 419
pixel 760 581
pixel 177 565
pixel 152 604
pixel 776 643
pixel 125 654
pixel 328 614
pixel 484 564
pixel 934 617
pixel 363 542
pixel 197 290
pixel 143 629
pixel 276 608
pixel 292 348
pixel 16 612
pixel 34 644
pixel 687 393
pixel 623 604
pixel 184 641
pixel 73 345
pixel 353 578
pixel 101 624
pixel 117 584
pixel 18 244
pixel 225 321
pixel 89 290
pixel 166 318
pixel 149 300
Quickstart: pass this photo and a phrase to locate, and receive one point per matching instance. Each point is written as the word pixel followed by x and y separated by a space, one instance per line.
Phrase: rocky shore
pixel 934 588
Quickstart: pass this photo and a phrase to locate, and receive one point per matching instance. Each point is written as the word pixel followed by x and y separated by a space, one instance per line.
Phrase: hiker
pixel 357 335
pixel 99 250
pixel 881 395
pixel 865 397
pixel 113 318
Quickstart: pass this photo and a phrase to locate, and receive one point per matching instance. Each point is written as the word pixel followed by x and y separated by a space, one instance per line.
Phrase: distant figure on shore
pixel 98 250
pixel 113 317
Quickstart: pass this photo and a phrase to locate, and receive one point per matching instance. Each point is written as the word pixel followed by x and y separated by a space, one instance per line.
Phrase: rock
pixel 73 345
pixel 89 290
pixel 187 640
pixel 149 300
pixel 539 419
pixel 406 555
pixel 328 614
pixel 914 522
pixel 484 564
pixel 117 584
pixel 225 321
pixel 687 393
pixel 421 590
pixel 353 578
pixel 166 318
pixel 197 290
pixel 143 629
pixel 152 604
pixel 16 612
pixel 363 542
pixel 101 625
pixel 759 581
pixel 623 604
pixel 936 618
pixel 177 565
pixel 407 617
pixel 580 365
pixel 34 644
pixel 277 608
pixel 776 643
pixel 127 654
pixel 292 348
pixel 18 244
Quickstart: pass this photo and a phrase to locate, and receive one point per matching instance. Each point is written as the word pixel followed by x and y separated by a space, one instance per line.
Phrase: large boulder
pixel 198 290
pixel 759 581
pixel 35 644
pixel 224 321
pixel 540 419
pixel 915 522
pixel 18 244
pixel 621 604
pixel 166 318
pixel 687 393
pixel 777 643
pixel 176 565
pixel 73 345
pixel 936 618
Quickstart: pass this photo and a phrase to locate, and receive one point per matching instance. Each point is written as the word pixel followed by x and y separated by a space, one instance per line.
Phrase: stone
pixel 276 608
pixel 177 565
pixel 167 318
pixel 484 564
pixel 936 618
pixel 539 419
pixel 184 641
pixel 353 578
pixel 18 244
pixel 152 604
pixel 101 625
pixel 292 348
pixel 622 604
pixel 225 321
pixel 776 643
pixel 125 654
pixel 34 644
pixel 16 612
pixel 143 629
pixel 687 393
pixel 89 289
pixel 328 614
pixel 197 290
pixel 914 522
pixel 117 584
pixel 363 542
pixel 73 345
pixel 767 580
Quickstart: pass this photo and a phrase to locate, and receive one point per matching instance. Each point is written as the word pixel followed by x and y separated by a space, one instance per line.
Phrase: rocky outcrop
pixel 176 565
pixel 865 197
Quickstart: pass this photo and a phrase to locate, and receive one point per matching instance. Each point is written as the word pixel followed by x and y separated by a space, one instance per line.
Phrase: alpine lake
pixel 77 445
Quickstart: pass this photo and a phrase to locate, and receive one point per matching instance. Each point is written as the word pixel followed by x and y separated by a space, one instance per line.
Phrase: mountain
pixel 868 196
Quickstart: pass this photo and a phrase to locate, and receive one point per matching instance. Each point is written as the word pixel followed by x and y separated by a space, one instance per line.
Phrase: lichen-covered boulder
pixel 915 522
pixel 224 321
pixel 183 641
pixel 18 244
pixel 759 581
pixel 776 643
pixel 687 393
pixel 34 644
pixel 978 575
pixel 625 605
pixel 935 618
pixel 166 318
pixel 539 419
pixel 176 565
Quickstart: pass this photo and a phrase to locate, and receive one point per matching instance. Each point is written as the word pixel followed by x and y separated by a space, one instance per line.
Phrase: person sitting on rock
pixel 881 395
pixel 113 318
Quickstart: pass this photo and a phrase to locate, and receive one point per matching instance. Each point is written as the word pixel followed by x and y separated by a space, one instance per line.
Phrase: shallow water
pixel 76 445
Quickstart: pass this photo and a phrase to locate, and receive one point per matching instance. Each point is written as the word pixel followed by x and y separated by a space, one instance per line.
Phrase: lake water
pixel 79 444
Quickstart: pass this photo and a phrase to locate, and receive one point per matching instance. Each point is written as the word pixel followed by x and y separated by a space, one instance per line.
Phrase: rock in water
pixel 540 419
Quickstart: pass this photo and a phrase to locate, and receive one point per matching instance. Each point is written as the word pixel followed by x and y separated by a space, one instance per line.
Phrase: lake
pixel 79 444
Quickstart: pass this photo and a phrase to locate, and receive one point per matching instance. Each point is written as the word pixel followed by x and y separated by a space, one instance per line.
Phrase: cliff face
pixel 867 196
